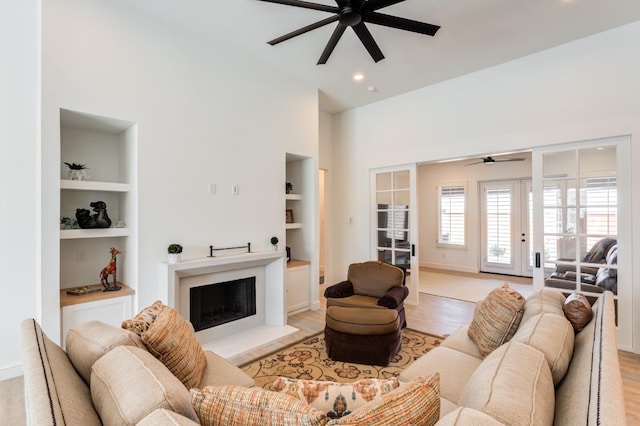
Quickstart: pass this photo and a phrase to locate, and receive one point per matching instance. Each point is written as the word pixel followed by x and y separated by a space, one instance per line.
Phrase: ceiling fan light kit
pixel 354 14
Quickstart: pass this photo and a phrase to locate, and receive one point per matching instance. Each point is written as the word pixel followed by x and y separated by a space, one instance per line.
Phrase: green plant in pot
pixel 274 243
pixel 174 253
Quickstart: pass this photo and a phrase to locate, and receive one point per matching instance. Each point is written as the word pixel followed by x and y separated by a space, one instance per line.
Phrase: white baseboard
pixel 314 306
pixel 10 371
pixel 447 267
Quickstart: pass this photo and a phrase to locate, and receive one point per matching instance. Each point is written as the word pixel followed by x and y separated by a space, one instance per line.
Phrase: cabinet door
pixel 110 311
pixel 297 288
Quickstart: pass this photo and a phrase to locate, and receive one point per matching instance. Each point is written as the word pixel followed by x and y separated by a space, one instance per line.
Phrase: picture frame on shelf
pixel 289 216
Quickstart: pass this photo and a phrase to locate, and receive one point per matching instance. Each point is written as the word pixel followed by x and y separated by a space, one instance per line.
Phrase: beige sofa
pixel 128 384
pixel 542 376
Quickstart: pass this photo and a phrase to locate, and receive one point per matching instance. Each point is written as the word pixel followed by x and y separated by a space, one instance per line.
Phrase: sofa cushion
pixel 128 383
pixel 455 369
pixel 460 341
pixel 172 340
pixel 164 417
pixel 237 405
pixel 336 399
pixel 90 340
pixel 553 336
pixel 219 371
pixel 374 278
pixel 497 319
pixel 513 385
pixel 577 310
pixel 463 416
pixel 545 300
pixel 355 301
pixel 141 322
pixel 56 394
pixel 415 404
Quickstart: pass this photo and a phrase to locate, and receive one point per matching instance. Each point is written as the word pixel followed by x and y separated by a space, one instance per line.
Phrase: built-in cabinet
pixel 299 218
pixel 108 148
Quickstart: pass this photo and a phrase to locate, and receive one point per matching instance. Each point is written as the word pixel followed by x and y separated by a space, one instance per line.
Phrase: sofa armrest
pixel 340 290
pixel 394 297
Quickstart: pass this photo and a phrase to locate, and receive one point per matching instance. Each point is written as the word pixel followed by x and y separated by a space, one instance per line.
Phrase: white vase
pixel 173 257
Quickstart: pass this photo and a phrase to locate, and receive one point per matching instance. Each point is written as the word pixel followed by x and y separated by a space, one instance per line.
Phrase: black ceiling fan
pixel 491 160
pixel 354 14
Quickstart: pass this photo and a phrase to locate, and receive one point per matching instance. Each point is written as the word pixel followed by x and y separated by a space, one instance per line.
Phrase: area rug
pixel 465 288
pixel 308 360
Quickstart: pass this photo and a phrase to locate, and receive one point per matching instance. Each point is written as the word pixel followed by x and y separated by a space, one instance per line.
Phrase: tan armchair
pixel 371 284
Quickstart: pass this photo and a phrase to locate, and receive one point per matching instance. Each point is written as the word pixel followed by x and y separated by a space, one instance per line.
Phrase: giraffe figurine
pixel 110 269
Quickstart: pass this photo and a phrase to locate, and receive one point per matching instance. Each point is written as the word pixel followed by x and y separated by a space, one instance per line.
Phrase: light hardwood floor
pixel 435 315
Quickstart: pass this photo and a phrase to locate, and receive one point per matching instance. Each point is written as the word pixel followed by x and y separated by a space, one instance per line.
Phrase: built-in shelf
pixel 294 263
pixel 74 234
pixel 294 226
pixel 85 185
pixel 293 197
pixel 69 299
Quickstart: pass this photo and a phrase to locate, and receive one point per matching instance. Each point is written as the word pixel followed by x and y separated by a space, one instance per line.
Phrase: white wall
pixel 19 105
pixel 203 117
pixel 429 177
pixel 583 90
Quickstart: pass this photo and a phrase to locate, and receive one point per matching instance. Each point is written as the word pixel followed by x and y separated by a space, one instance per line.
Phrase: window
pixel 451 200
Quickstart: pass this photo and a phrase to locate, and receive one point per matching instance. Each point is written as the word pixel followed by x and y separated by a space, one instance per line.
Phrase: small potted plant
pixel 274 243
pixel 174 251
pixel 77 171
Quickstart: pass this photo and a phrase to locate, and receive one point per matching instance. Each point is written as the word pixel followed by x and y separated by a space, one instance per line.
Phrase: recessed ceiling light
pixel 358 76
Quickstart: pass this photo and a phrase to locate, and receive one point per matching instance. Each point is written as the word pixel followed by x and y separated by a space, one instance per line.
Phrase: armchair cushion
pixel 374 278
pixel 394 297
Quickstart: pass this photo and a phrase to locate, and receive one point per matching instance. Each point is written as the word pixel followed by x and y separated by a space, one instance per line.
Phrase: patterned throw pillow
pixel 497 319
pixel 172 340
pixel 336 399
pixel 141 322
pixel 237 405
pixel 578 311
pixel 418 403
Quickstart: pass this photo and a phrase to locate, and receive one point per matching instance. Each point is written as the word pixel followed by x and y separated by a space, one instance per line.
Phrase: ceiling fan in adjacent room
pixel 354 14
pixel 491 160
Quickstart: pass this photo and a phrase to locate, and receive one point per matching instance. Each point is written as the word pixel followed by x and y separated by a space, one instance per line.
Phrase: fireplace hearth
pixel 216 304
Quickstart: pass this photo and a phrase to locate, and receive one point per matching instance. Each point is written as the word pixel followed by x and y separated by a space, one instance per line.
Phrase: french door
pixel 506 227
pixel 393 221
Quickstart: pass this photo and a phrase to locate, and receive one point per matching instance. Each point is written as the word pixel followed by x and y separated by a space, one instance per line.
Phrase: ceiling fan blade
pixel 477 162
pixel 366 38
pixel 372 5
pixel 400 23
pixel 333 41
pixel 504 160
pixel 306 5
pixel 304 30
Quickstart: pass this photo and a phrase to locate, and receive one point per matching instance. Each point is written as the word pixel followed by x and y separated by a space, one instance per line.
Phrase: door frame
pixel 413 279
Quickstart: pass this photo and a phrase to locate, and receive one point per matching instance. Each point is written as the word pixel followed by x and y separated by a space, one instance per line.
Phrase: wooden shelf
pixel 293 226
pixel 293 263
pixel 73 234
pixel 293 197
pixel 84 185
pixel 68 299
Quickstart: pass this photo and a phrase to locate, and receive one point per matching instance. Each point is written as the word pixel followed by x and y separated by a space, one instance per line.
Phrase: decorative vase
pixel 174 257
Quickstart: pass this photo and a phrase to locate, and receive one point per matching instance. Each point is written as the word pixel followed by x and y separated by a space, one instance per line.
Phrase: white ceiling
pixel 475 34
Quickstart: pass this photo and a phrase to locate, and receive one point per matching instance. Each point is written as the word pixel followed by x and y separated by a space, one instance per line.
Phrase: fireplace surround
pixel 268 268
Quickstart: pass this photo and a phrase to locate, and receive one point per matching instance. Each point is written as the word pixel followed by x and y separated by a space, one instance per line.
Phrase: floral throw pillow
pixel 141 322
pixel 336 399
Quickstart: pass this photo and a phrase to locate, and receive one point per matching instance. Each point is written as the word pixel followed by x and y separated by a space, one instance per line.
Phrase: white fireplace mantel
pixel 272 261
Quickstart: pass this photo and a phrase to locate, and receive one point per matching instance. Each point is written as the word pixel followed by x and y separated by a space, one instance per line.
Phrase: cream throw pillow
pixel 497 319
pixel 336 399
pixel 172 340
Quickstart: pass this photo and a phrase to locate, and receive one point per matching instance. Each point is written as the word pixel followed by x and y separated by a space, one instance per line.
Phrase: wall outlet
pixel 235 189
pixel 212 188
pixel 81 256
